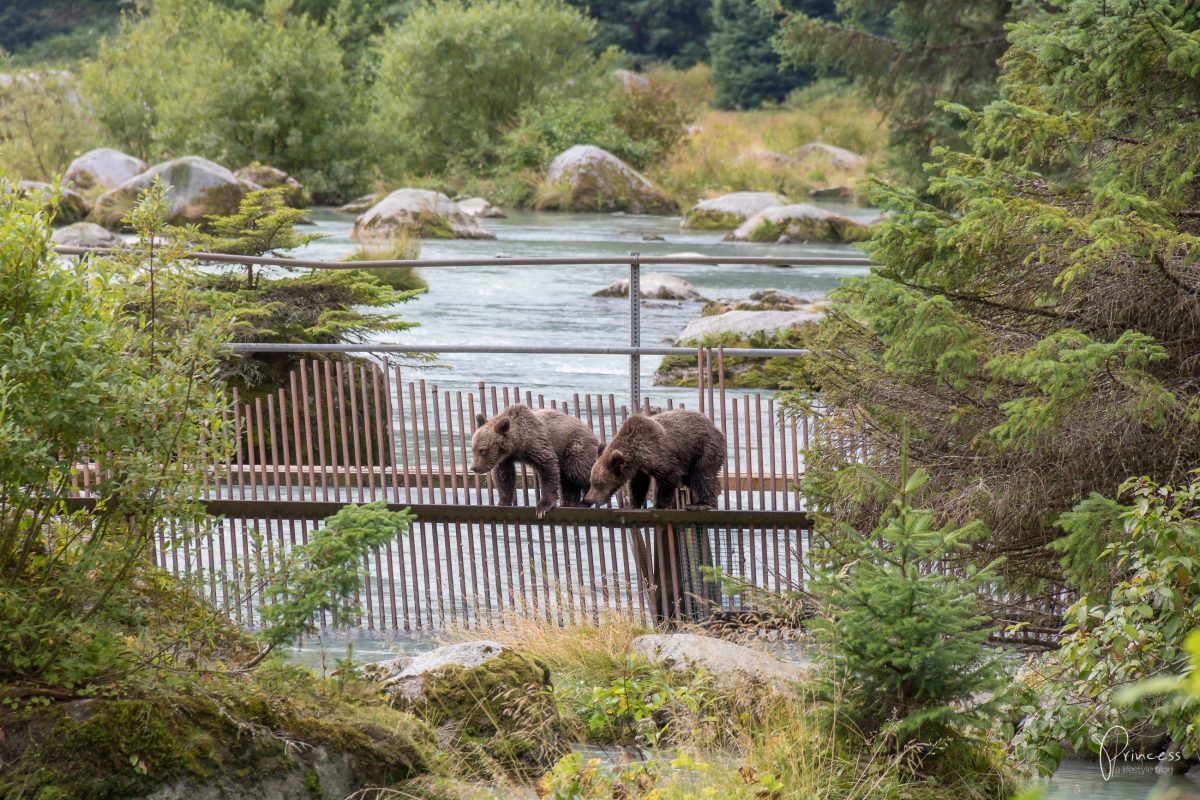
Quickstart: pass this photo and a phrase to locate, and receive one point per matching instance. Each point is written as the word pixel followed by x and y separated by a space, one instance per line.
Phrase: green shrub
pixel 43 126
pixel 191 76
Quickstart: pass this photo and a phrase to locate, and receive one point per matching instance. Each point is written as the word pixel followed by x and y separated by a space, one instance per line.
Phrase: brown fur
pixel 560 448
pixel 674 448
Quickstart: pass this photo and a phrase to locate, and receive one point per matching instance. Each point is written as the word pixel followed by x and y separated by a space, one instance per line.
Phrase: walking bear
pixel 674 447
pixel 559 447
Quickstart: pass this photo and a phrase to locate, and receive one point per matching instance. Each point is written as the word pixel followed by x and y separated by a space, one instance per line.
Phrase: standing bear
pixel 559 447
pixel 674 447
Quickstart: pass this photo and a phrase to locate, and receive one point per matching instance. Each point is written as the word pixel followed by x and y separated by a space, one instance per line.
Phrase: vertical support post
pixel 635 332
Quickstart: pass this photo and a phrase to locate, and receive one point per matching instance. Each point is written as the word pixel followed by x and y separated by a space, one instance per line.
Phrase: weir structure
pixel 360 430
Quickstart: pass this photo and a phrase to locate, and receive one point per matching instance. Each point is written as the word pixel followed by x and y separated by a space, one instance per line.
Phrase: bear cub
pixel 674 448
pixel 559 447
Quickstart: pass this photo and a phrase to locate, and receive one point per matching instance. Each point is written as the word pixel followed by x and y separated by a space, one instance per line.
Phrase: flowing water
pixel 507 305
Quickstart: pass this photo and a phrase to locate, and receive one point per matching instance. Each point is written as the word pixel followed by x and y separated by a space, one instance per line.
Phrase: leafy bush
pixel 43 126
pixel 1136 631
pixel 902 639
pixel 191 76
pixel 453 77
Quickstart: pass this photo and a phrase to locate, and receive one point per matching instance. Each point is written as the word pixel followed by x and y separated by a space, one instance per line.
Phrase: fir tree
pixel 1036 327
pixel 670 31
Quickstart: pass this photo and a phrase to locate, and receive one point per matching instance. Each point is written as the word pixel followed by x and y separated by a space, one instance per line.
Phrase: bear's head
pixel 611 471
pixel 491 444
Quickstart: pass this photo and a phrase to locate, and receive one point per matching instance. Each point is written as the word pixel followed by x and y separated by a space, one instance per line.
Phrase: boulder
pixel 416 212
pixel 196 188
pixel 478 207
pixel 270 178
pixel 743 324
pixel 102 169
pixel 70 207
pixel 730 665
pixel 85 234
pixel 801 222
pixel 762 300
pixel 630 81
pixel 770 159
pixel 832 193
pixel 483 693
pixel 838 156
pixel 730 210
pixel 359 204
pixel 587 178
pixel 654 287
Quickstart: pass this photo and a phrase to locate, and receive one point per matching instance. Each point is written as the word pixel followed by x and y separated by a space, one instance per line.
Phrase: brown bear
pixel 559 447
pixel 674 447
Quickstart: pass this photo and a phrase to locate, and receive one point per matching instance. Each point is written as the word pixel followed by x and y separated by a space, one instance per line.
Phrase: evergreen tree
pixel 671 31
pixel 747 71
pixel 908 56
pixel 1036 327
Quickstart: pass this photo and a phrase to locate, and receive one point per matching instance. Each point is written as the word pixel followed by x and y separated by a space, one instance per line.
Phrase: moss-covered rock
pixel 802 223
pixel 740 372
pixel 588 178
pixel 494 703
pixel 294 194
pixel 730 210
pixel 416 213
pixel 197 188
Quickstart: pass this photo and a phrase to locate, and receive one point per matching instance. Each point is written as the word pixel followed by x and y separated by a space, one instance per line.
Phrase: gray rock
pixel 85 234
pixel 630 81
pixel 335 774
pixel 838 156
pixel 730 210
pixel 478 207
pixel 763 300
pixel 383 670
pixel 799 222
pixel 417 212
pixel 592 179
pixel 652 237
pixel 270 178
pixel 744 324
pixel 654 287
pixel 832 193
pixel 729 664
pixel 196 188
pixel 409 682
pixel 103 169
pixel 70 207
pixel 767 158
pixel 359 204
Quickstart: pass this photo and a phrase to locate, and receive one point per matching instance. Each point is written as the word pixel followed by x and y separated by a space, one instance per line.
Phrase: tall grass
pixel 401 247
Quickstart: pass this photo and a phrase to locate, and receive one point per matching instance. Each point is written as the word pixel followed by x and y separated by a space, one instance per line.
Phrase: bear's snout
pixel 479 467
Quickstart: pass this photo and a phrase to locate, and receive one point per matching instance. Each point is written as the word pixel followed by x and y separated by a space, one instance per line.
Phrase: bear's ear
pixel 480 420
pixel 502 426
pixel 616 460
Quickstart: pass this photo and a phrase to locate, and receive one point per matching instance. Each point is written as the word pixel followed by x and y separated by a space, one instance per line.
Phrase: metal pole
pixel 635 332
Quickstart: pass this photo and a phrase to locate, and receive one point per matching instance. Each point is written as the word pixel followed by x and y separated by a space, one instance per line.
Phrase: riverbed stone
pixel 588 178
pixel 801 222
pixel 268 177
pixel 485 694
pixel 479 207
pixel 196 188
pixel 71 206
pixel 104 168
pixel 761 300
pixel 654 286
pixel 360 204
pixel 730 210
pixel 840 157
pixel 731 665
pixel 85 234
pixel 743 324
pixel 417 212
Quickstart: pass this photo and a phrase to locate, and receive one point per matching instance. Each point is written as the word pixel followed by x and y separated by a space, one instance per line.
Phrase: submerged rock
pixel 729 664
pixel 417 212
pixel 70 206
pixel 196 188
pixel 654 287
pixel 730 210
pixel 478 207
pixel 840 157
pixel 801 222
pixel 270 178
pixel 587 178
pixel 85 234
pixel 103 169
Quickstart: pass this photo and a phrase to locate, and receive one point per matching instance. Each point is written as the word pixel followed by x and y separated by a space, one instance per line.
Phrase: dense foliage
pixel 270 87
pixel 669 31
pixel 909 56
pixel 747 71
pixel 43 124
pixel 1036 327
pixel 1134 632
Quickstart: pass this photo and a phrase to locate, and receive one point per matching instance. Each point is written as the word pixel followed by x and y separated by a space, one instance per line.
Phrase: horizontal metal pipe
pixel 555 261
pixel 743 352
